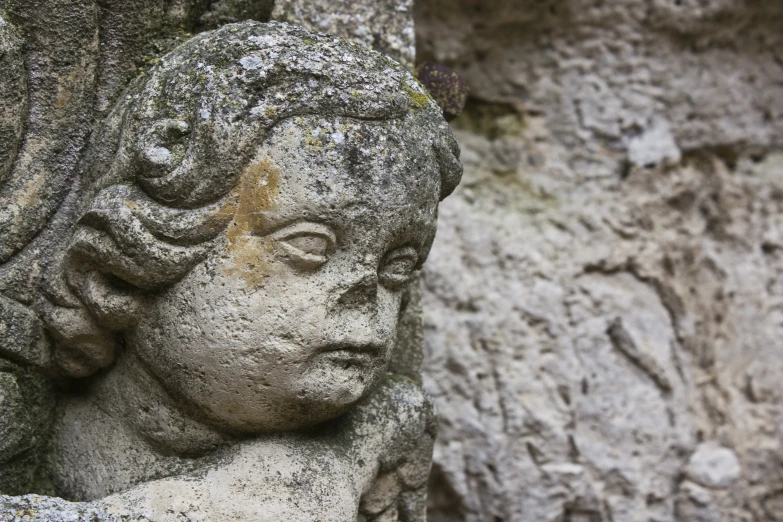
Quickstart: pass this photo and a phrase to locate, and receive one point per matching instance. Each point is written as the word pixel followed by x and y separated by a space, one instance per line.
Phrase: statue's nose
pixel 357 313
pixel 361 292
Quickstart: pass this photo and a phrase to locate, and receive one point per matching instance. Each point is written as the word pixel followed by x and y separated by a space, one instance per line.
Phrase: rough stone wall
pixel 384 25
pixel 604 301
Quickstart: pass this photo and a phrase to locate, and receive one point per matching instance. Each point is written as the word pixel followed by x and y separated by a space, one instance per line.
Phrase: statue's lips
pixel 351 354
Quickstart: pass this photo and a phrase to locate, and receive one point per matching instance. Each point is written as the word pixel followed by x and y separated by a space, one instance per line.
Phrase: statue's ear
pixel 162 147
pixel 116 305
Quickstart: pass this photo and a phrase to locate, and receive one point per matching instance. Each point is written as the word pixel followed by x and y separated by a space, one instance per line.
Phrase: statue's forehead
pixel 344 168
pixel 344 155
pixel 332 141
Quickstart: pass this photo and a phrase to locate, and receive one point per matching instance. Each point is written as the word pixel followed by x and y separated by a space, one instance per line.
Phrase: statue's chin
pixel 326 392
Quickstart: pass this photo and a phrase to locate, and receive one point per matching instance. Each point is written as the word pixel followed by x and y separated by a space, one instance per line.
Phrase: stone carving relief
pixel 201 301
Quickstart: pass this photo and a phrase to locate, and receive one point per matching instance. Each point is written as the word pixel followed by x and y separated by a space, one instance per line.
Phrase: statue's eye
pixel 305 245
pixel 309 244
pixel 397 267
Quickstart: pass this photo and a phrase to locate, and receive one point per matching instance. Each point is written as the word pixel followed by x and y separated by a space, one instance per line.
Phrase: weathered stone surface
pixel 241 244
pixel 604 72
pixel 22 335
pixel 38 178
pixel 272 478
pixel 590 323
pixel 27 404
pixel 713 466
pixel 13 93
pixel 384 25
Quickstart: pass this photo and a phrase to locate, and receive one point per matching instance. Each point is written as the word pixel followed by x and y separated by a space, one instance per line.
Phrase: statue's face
pixel 293 318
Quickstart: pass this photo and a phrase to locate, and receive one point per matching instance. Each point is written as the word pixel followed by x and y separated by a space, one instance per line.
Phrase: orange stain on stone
pixel 257 191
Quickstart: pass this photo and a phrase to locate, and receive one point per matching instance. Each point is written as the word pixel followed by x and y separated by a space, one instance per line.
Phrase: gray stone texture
pixel 603 300
pixel 384 25
pixel 211 240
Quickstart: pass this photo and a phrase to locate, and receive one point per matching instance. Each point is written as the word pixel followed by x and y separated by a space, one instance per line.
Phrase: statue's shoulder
pixel 407 438
pixel 409 411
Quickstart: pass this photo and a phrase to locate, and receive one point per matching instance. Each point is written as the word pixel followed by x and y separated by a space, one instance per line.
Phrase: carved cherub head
pixel 256 206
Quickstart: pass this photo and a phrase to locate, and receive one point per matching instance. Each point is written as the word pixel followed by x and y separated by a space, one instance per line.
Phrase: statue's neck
pixel 146 409
pixel 125 430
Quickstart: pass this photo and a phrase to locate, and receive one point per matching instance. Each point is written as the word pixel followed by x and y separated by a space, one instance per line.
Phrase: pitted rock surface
pixel 601 302
pixel 385 25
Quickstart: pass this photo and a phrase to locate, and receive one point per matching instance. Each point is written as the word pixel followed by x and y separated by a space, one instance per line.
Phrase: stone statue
pixel 222 314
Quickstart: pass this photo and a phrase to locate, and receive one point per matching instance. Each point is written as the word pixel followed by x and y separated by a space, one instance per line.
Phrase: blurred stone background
pixel 604 301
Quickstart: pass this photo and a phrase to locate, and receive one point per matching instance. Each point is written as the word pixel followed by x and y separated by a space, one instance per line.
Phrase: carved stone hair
pixel 155 188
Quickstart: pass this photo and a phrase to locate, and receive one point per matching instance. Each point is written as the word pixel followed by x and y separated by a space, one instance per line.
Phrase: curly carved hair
pixel 151 211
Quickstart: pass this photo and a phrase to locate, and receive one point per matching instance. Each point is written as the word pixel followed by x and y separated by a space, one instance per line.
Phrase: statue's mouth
pixel 372 349
pixel 347 355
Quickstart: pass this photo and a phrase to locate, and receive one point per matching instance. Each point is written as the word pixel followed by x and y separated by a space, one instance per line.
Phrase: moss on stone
pixel 418 99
